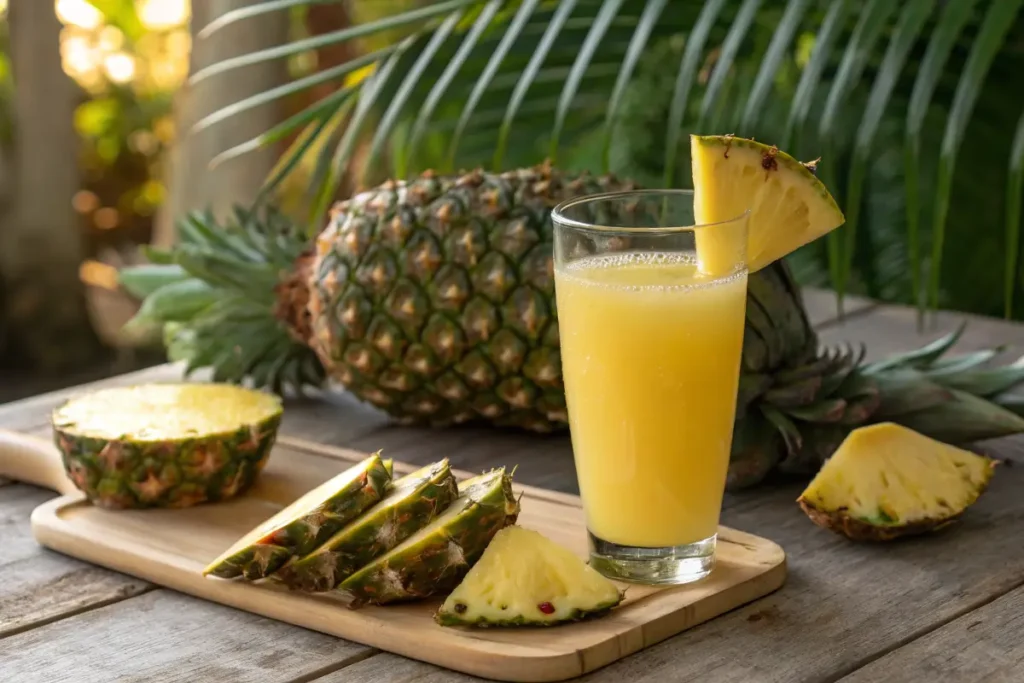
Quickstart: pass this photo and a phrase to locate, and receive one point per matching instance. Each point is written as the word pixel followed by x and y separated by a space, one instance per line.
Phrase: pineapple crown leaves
pixel 808 409
pixel 213 293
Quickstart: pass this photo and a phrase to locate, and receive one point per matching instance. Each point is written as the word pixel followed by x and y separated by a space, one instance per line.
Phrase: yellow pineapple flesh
pixel 526 579
pixel 789 207
pixel 886 481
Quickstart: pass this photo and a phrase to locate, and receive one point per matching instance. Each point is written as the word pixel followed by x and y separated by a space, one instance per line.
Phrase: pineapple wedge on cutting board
pixel 526 579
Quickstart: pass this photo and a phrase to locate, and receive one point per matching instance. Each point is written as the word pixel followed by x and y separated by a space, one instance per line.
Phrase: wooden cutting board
pixel 171 547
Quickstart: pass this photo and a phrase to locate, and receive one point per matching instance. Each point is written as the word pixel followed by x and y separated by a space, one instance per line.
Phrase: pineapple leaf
pixel 177 302
pixel 142 280
pixel 922 357
pixel 790 433
pixel 798 394
pixel 829 410
pixel 964 419
pixel 904 390
pixel 962 362
pixel 984 383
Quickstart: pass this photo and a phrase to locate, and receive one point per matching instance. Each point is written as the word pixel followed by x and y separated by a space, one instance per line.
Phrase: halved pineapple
pixel 789 206
pixel 886 481
pixel 525 579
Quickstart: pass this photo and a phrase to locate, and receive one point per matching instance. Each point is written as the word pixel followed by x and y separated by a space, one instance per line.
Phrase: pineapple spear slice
pixel 413 502
pixel 788 205
pixel 305 524
pixel 887 481
pixel 435 559
pixel 525 579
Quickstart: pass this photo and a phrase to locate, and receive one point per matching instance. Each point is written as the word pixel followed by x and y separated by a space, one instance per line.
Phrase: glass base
pixel 673 565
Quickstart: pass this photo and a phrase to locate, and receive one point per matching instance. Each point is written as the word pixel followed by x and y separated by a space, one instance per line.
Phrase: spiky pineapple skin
pixel 437 562
pixel 434 299
pixel 362 541
pixel 303 534
pixel 576 616
pixel 860 530
pixel 126 473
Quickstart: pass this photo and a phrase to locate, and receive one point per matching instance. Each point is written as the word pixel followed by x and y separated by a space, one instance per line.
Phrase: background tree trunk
pixel 192 185
pixel 45 316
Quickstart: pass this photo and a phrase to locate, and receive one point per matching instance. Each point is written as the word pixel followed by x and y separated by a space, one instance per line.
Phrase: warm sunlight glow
pixel 98 274
pixel 3 6
pixel 159 15
pixel 80 60
pixel 79 13
pixel 120 67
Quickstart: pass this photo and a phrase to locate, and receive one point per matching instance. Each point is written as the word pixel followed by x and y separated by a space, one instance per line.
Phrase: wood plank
pixel 982 646
pixel 40 585
pixel 387 668
pixel 820 305
pixel 843 603
pixel 164 636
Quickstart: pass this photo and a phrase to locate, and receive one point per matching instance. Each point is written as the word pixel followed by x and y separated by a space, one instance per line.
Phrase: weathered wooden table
pixel 945 608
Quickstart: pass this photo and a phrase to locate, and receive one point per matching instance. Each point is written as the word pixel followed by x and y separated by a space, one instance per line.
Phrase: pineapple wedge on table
pixel 305 524
pixel 887 481
pixel 525 579
pixel 166 445
pixel 433 560
pixel 412 503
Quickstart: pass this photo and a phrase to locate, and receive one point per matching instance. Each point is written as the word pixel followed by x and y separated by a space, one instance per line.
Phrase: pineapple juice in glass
pixel 651 339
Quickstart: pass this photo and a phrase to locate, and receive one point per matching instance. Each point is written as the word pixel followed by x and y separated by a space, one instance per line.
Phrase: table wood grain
pixel 943 608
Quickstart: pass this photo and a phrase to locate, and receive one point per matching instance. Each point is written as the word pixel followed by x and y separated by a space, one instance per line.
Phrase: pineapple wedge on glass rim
pixel 887 481
pixel 789 207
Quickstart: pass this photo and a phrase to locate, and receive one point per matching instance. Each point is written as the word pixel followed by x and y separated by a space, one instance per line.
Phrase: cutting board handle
pixel 33 460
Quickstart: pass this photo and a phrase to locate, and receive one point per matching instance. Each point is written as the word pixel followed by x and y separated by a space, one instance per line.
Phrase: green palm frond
pixel 922 146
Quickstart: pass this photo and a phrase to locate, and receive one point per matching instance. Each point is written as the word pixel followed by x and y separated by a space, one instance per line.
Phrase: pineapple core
pixel 525 579
pixel 886 480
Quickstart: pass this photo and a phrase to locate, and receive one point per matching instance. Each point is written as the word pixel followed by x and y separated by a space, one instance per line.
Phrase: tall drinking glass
pixel 651 337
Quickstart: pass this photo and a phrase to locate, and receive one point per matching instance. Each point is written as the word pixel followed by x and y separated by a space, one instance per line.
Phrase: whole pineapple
pixel 433 300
